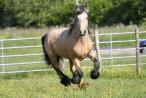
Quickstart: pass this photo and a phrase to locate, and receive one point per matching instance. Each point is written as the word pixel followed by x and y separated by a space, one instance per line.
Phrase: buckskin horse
pixel 75 45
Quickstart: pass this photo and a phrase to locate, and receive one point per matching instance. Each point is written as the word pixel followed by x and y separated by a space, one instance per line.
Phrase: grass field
pixel 114 82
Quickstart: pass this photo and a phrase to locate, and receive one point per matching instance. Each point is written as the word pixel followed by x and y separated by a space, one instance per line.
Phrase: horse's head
pixel 82 18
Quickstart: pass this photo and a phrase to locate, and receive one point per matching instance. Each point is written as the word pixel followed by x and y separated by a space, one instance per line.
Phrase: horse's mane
pixel 72 26
pixel 71 29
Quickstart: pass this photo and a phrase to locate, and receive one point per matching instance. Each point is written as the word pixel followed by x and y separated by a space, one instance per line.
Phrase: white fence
pixel 128 49
pixel 25 54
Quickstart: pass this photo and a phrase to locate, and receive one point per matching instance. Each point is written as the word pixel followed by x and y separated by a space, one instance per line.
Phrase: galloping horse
pixel 74 44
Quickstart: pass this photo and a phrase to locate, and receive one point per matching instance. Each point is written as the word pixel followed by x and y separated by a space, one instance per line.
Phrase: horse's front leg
pixel 77 73
pixel 95 72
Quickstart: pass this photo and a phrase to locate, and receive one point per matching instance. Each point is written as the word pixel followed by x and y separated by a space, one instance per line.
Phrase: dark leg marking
pixel 77 76
pixel 64 79
pixel 95 72
pixel 76 79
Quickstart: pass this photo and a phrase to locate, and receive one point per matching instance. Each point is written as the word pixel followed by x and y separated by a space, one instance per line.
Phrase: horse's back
pixel 56 32
pixel 56 41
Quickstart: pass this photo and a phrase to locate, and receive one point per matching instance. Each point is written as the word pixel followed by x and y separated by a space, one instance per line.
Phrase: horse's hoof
pixel 94 75
pixel 76 79
pixel 84 85
pixel 65 81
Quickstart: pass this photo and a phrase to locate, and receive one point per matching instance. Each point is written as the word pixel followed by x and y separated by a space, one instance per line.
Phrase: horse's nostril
pixel 84 32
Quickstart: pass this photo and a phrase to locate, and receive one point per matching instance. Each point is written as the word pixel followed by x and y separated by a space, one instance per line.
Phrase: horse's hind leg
pixel 60 62
pixel 55 64
pixel 95 72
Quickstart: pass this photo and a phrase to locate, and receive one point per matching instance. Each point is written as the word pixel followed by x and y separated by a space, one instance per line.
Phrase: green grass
pixel 114 82
pixel 6 33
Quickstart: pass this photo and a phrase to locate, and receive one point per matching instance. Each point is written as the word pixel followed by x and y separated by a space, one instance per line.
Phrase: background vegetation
pixel 42 13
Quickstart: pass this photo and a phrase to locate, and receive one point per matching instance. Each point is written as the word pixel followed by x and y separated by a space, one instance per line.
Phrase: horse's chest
pixel 81 51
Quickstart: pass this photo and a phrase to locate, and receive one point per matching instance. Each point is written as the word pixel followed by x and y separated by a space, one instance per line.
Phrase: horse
pixel 73 43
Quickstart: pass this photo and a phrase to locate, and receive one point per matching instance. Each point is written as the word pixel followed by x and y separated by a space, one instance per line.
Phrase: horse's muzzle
pixel 82 33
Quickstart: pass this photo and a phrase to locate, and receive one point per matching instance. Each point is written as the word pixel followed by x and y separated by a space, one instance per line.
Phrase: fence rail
pixel 10 62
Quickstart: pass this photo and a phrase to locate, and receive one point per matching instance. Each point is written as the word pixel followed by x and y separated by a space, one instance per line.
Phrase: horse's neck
pixel 76 32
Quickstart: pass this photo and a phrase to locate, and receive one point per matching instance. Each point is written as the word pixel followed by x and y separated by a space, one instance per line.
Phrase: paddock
pixel 20 55
pixel 24 74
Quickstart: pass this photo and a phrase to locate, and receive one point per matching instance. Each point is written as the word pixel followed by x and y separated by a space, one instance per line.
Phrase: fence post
pixel 14 32
pixel 137 50
pixel 97 46
pixel 111 48
pixel 2 54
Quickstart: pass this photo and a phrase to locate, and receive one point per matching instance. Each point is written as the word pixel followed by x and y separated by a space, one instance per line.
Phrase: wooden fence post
pixel 2 55
pixel 13 32
pixel 97 46
pixel 111 48
pixel 137 50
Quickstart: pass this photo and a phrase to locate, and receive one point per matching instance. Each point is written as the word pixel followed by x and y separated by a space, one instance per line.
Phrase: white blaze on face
pixel 83 21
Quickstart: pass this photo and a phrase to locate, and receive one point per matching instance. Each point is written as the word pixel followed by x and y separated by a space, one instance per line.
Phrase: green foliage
pixel 41 13
pixel 126 12
pixel 6 13
pixel 98 8
pixel 38 13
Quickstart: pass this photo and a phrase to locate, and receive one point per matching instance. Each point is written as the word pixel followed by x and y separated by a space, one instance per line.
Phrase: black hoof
pixel 76 79
pixel 65 81
pixel 94 75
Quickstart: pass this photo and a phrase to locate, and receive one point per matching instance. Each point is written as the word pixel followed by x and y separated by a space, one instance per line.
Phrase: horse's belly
pixel 63 54
pixel 71 53
pixel 61 51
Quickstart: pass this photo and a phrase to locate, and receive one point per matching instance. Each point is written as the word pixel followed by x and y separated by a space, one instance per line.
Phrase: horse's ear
pixel 86 4
pixel 77 3
pixel 75 10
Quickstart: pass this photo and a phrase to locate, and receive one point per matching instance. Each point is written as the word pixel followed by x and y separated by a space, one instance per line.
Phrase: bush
pixel 41 13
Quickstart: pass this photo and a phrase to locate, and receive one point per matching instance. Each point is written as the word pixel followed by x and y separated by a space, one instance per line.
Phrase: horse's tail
pixel 46 57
